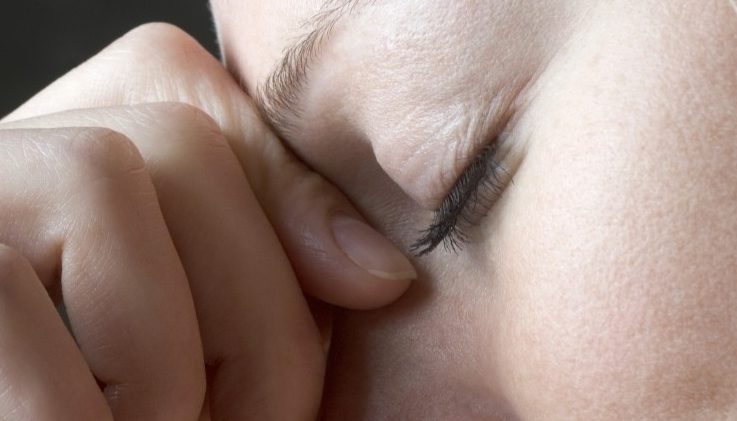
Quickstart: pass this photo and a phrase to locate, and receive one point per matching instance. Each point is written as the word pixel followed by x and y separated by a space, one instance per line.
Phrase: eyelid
pixel 469 200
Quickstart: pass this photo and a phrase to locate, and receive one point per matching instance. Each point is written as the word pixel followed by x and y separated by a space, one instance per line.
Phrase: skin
pixel 143 191
pixel 601 285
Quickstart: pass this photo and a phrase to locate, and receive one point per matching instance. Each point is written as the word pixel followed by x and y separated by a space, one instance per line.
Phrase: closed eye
pixel 469 200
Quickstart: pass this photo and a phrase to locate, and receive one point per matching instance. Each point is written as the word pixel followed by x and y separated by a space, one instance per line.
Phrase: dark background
pixel 41 40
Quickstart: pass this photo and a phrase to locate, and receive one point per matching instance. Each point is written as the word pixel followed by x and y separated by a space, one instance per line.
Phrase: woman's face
pixel 601 283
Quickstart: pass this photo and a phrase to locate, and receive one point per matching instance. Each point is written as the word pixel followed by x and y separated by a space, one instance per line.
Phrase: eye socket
pixel 469 200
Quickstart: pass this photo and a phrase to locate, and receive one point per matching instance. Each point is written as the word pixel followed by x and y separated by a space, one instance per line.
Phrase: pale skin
pixel 602 284
pixel 138 214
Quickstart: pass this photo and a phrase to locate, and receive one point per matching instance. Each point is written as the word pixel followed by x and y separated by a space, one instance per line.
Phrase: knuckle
pixel 190 129
pixel 171 44
pixel 208 130
pixel 158 31
pixel 102 152
pixel 186 116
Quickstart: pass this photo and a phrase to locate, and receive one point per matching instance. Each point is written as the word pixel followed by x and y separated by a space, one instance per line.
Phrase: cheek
pixel 621 294
pixel 617 269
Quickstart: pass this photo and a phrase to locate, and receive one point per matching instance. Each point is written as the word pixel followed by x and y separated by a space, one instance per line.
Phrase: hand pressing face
pixel 143 191
pixel 574 164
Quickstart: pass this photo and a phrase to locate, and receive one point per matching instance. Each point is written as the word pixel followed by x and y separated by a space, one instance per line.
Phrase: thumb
pixel 337 257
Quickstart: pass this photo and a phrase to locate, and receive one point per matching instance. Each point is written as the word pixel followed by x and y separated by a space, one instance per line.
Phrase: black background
pixel 41 40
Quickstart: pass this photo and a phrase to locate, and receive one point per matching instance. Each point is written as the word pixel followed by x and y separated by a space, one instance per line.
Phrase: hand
pixel 80 205
pixel 264 353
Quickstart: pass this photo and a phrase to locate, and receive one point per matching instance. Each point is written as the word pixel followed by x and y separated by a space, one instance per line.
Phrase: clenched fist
pixel 143 191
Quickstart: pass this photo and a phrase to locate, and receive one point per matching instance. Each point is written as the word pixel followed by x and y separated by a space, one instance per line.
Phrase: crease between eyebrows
pixel 279 96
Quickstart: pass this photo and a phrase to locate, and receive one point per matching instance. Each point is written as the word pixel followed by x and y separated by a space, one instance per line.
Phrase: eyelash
pixel 470 199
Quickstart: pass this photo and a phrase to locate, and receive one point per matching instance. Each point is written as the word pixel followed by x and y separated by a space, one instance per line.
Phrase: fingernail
pixel 370 250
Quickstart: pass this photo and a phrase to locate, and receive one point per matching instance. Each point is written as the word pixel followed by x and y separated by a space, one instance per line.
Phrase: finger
pixel 124 288
pixel 44 377
pixel 264 351
pixel 337 256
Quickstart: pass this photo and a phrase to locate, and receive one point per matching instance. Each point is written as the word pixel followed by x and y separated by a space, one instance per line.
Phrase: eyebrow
pixel 279 96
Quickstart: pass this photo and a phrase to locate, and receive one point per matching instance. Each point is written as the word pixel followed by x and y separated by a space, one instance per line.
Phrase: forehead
pixel 256 32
